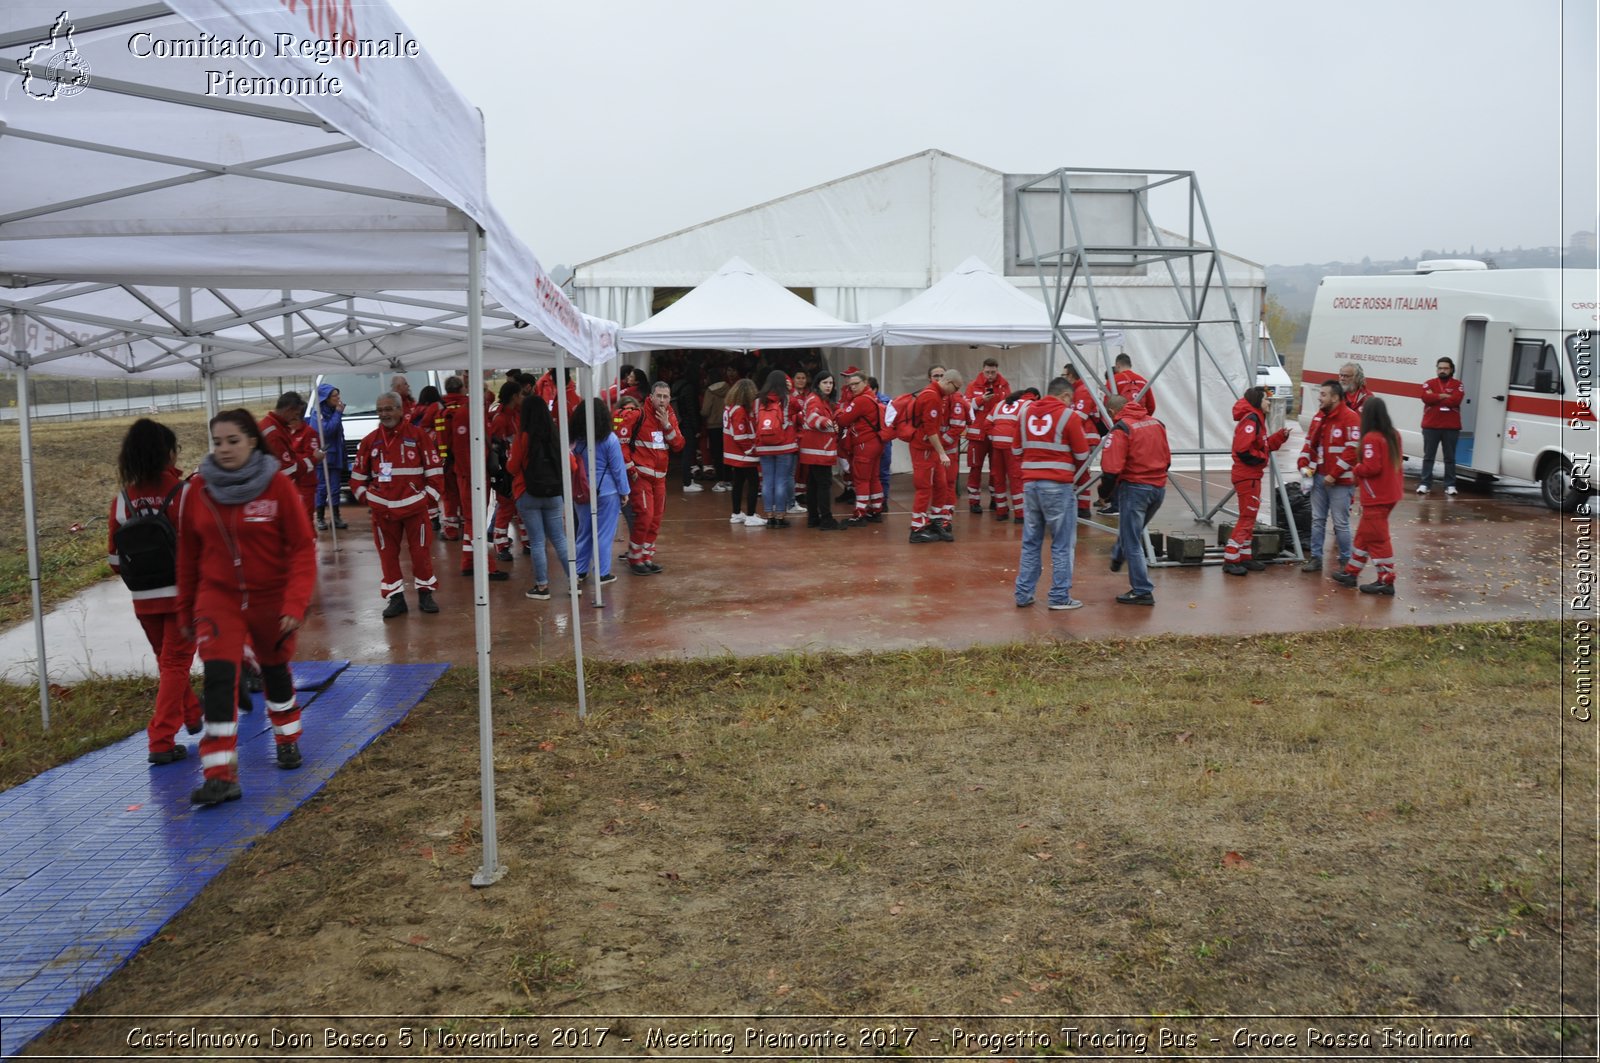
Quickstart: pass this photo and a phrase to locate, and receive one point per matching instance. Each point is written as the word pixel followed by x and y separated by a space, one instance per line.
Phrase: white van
pixel 1523 344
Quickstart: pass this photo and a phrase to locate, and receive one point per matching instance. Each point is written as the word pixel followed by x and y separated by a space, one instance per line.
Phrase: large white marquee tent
pixel 150 223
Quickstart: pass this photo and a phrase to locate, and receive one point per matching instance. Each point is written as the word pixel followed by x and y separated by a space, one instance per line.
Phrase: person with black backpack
pixel 144 552
pixel 535 469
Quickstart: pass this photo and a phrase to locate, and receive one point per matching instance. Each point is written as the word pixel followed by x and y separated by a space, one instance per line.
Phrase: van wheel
pixel 1560 491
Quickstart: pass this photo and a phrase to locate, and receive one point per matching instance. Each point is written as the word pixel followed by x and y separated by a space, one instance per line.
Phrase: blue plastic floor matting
pixel 97 855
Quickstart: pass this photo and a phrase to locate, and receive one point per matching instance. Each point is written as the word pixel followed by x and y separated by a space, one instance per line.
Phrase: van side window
pixel 1534 367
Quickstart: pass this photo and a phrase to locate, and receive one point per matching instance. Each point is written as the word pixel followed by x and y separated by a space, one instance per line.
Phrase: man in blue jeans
pixel 1138 454
pixel 1054 449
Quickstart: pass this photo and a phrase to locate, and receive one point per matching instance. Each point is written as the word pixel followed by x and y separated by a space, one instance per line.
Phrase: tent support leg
pixel 564 422
pixel 596 591
pixel 492 869
pixel 30 519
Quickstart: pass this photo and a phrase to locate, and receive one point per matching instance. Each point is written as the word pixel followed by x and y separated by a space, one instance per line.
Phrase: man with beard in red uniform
pixel 984 394
pixel 931 463
pixel 860 417
pixel 397 476
pixel 454 399
pixel 650 435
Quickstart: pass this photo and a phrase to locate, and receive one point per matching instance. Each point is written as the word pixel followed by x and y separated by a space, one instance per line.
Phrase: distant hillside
pixel 1296 286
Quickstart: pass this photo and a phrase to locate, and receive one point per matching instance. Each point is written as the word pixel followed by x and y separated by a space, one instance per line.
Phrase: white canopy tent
pixel 974 304
pixel 738 308
pixel 183 158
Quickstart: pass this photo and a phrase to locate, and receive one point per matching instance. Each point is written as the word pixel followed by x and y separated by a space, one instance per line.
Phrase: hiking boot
pixel 322 524
pixel 396 607
pixel 503 554
pixel 653 567
pixel 975 509
pixel 926 534
pixel 640 569
pixel 425 602
pixel 1313 566
pixel 216 791
pixel 499 576
pixel 1253 565
pixel 168 756
pixel 1135 598
pixel 289 755
pixel 1378 587
pixel 1235 570
pixel 946 532
pixel 339 522
pixel 1344 579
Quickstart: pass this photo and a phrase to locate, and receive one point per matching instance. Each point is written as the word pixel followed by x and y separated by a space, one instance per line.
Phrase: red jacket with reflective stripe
pixel 957 419
pixel 1083 402
pixel 647 446
pixel 281 444
pixel 397 473
pixel 819 434
pixel 1136 450
pixel 1053 442
pixel 738 438
pixel 927 419
pixel 861 416
pixel 1380 477
pixel 1441 403
pixel 1003 424
pixel 1332 443
pixel 1251 443
pixel 1129 384
pixel 272 535
pixel 983 398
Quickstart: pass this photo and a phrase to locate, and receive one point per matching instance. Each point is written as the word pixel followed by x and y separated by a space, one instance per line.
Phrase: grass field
pixel 1392 822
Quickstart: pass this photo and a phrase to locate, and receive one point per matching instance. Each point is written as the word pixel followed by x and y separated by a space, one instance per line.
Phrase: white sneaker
pixel 753 521
pixel 721 486
pixel 737 518
pixel 796 508
pixel 1450 491
pixel 1422 489
pixel 692 488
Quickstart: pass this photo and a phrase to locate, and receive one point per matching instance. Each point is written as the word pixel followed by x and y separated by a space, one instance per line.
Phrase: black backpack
pixel 147 546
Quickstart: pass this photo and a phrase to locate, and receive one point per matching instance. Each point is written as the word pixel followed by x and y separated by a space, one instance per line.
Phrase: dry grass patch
pixel 1350 822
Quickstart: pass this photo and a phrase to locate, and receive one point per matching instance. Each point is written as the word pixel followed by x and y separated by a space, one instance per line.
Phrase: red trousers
pixel 221 629
pixel 505 513
pixel 1008 466
pixel 934 487
pixel 649 503
pixel 176 704
pixel 866 461
pixel 977 450
pixel 1372 543
pixel 450 507
pixel 416 532
pixel 1249 494
pixel 463 481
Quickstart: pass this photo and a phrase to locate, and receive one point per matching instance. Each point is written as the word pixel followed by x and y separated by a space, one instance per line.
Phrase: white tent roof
pixel 738 308
pixel 974 304
pixel 131 165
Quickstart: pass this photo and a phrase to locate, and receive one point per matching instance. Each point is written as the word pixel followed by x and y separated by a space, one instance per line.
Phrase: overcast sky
pixel 1317 131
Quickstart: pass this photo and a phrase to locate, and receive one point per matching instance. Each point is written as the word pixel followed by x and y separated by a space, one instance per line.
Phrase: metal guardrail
pixel 96 406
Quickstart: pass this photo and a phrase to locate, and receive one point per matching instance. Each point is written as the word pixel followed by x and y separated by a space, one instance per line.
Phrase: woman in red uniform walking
pixel 150 486
pixel 1378 473
pixel 246 568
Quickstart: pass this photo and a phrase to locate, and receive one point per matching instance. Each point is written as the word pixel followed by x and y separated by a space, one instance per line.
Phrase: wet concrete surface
pixel 733 590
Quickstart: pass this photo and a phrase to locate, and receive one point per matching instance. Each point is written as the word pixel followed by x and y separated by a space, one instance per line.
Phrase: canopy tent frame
pixel 52 236
pixel 1074 256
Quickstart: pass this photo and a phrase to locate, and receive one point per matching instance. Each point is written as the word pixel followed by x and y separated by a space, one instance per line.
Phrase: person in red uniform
pixel 776 447
pixel 799 388
pixel 1353 379
pixel 504 428
pixel 247 565
pixel 1003 430
pixel 1328 461
pixel 402 387
pixel 1134 388
pixel 931 463
pixel 1055 455
pixel 545 388
pixel 651 436
pixel 279 439
pixel 451 403
pixel 1252 449
pixel 1094 426
pixel 819 452
pixel 307 448
pixel 458 429
pixel 1442 396
pixel 1138 455
pixel 984 395
pixel 397 475
pixel 426 416
pixel 1378 473
pixel 860 419
pixel 738 453
pixel 957 418
pixel 147 466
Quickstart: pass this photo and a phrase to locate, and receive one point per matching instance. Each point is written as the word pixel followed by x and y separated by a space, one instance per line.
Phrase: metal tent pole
pixel 30 518
pixel 597 594
pixel 492 869
pixel 565 423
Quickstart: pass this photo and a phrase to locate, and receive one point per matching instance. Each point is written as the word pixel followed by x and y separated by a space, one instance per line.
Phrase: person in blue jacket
pixel 608 490
pixel 326 418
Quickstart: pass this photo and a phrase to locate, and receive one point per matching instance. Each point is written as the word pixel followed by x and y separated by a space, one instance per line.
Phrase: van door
pixel 1485 376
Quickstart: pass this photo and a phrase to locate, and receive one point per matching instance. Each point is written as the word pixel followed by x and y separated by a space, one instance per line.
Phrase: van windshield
pixel 359 391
